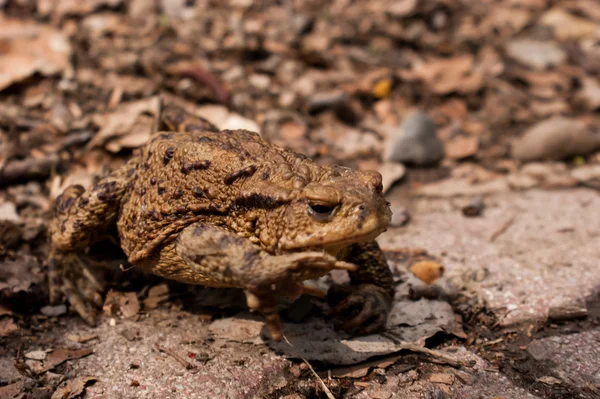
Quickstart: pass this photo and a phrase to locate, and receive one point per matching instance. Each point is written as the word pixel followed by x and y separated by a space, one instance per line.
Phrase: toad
pixel 228 209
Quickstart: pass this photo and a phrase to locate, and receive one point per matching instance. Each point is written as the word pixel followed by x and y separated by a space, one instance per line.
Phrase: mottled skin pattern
pixel 227 209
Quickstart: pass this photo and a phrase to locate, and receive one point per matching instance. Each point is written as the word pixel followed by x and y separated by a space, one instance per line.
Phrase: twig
pixel 323 386
pixel 210 80
pixel 435 356
pixel 28 169
pixel 502 228
pixel 175 356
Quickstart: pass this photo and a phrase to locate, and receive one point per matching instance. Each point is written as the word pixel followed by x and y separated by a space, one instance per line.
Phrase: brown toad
pixel 228 209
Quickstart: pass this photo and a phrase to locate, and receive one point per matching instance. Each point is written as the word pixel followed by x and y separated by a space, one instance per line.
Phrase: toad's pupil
pixel 321 209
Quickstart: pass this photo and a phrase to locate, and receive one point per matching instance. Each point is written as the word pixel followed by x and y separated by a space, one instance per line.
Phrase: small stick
pixel 323 386
pixel 175 356
pixel 28 169
pixel 502 228
pixel 435 356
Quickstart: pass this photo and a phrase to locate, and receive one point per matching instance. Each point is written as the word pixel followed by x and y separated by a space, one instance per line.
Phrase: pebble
pixel 555 139
pixel 415 142
pixel 53 311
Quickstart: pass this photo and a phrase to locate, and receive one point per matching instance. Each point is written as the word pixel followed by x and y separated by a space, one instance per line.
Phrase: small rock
pixel 323 100
pixel 54 311
pixel 474 208
pixel 555 139
pixel 415 142
pixel 536 54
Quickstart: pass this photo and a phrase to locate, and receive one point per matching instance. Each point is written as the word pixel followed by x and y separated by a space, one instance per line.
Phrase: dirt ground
pixel 482 118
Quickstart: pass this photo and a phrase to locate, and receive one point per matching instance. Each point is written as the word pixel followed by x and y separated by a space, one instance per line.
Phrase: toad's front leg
pixel 207 255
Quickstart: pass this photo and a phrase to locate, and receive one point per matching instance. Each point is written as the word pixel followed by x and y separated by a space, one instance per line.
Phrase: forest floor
pixel 482 118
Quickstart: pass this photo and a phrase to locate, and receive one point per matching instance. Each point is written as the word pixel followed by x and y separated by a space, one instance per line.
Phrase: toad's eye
pixel 321 212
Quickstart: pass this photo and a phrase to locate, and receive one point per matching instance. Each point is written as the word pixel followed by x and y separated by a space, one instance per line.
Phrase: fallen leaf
pixel 28 47
pixel 7 327
pixel 156 295
pixel 74 387
pixel 56 358
pixel 401 8
pixel 461 147
pixel 549 380
pixel 37 355
pixel 124 303
pixel 58 9
pixel 447 75
pixel 554 139
pixel 536 54
pixel 81 338
pixel 127 120
pixel 566 26
pixel 442 378
pixel 391 172
pixel 362 370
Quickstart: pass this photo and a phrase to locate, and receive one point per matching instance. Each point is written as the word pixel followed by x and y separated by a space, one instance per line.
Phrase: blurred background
pixel 453 101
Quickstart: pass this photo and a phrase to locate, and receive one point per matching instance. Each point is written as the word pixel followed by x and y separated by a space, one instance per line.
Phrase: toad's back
pixel 182 178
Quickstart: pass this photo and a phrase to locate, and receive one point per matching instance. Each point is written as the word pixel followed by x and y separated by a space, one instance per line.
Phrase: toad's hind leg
pixel 173 118
pixel 210 256
pixel 80 219
pixel 367 300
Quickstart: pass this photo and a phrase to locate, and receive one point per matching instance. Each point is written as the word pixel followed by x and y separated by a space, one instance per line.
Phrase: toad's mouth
pixel 332 247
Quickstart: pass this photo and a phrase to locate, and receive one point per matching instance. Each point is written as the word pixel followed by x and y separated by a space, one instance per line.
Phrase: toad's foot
pixel 292 270
pixel 361 309
pixel 70 277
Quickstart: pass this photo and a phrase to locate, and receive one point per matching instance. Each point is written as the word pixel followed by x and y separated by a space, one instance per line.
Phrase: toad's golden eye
pixel 321 212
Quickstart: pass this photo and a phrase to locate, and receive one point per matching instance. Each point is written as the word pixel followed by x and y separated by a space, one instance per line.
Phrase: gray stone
pixel 415 142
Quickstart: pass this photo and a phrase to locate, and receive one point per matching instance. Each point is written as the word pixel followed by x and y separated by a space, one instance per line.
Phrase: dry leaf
pixel 156 295
pixel 73 388
pixel 461 147
pixel 127 120
pixel 391 172
pixel 28 47
pixel 7 327
pixel 447 75
pixel 59 9
pixel 442 378
pixel 124 303
pixel 555 139
pixel 566 26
